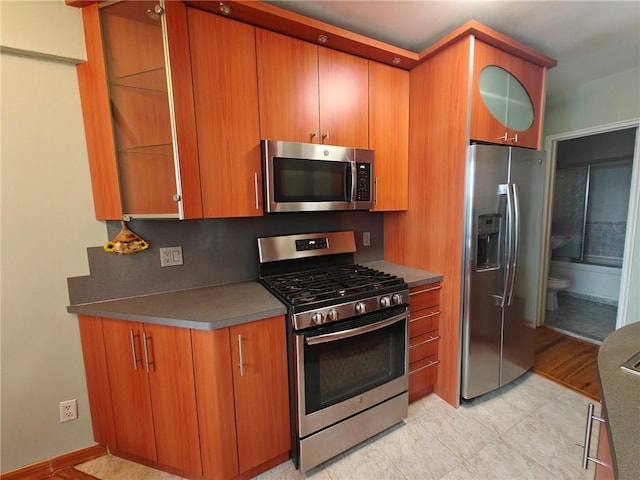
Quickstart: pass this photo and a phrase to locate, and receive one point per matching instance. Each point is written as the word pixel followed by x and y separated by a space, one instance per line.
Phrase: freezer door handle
pixel 514 225
pixel 508 242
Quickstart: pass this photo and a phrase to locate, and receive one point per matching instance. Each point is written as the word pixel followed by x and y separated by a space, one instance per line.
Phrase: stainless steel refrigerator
pixel 502 255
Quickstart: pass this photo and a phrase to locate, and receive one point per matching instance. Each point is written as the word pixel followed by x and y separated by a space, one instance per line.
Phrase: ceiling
pixel 589 39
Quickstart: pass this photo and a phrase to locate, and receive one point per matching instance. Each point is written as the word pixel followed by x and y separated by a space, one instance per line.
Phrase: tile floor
pixel 583 318
pixel 531 429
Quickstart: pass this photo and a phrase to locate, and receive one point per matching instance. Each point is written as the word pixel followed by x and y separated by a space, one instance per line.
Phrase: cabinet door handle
pixel 514 138
pixel 325 136
pixel 587 440
pixel 133 349
pixel 375 190
pixel 240 360
pixel 147 362
pixel 255 187
pixel 504 137
pixel 314 135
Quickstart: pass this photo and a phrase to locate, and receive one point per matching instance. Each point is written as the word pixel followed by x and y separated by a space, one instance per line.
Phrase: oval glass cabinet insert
pixel 506 98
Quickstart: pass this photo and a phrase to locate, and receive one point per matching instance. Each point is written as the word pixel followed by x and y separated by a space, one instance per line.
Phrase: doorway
pixel 592 212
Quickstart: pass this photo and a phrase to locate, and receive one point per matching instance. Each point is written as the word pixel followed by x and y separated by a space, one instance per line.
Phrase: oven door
pixel 350 366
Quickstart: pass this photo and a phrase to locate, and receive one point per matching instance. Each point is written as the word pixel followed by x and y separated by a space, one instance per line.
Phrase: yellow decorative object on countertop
pixel 126 242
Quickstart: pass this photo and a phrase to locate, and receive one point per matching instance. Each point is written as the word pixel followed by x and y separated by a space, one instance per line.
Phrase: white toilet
pixel 554 285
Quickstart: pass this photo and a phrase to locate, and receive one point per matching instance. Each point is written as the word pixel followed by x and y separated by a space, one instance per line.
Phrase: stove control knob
pixel 317 318
pixel 360 308
pixel 396 299
pixel 332 316
pixel 385 301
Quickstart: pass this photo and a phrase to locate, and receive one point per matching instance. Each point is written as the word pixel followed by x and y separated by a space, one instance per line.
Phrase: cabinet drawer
pixel 423 322
pixel 422 378
pixel 424 296
pixel 422 347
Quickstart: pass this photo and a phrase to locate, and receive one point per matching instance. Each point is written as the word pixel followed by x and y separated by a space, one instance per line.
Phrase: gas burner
pixel 322 285
pixel 333 283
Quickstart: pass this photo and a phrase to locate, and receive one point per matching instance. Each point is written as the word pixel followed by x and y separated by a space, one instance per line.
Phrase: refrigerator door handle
pixel 515 238
pixel 508 242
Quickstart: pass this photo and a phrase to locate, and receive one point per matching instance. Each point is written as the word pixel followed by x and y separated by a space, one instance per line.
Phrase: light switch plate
pixel 366 239
pixel 170 256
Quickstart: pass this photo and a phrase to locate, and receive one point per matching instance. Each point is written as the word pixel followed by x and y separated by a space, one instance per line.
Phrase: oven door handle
pixel 352 332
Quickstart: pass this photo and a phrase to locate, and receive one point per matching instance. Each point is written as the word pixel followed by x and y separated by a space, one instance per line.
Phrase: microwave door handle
pixel 350 182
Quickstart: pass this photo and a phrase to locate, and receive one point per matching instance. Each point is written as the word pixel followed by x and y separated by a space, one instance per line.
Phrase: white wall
pixel 609 100
pixel 47 222
pixel 613 99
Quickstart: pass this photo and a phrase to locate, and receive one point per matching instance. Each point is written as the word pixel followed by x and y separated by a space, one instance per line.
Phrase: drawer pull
pixel 430 314
pixel 425 290
pixel 430 364
pixel 586 458
pixel 428 340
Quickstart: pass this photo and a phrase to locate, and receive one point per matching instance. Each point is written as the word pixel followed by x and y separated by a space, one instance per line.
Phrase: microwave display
pixel 297 180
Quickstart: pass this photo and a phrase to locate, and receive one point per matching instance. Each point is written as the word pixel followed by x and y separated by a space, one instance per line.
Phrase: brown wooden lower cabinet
pixel 201 404
pixel 604 472
pixel 424 313
pixel 243 397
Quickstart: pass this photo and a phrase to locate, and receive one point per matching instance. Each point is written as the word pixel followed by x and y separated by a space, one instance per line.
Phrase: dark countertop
pixel 208 308
pixel 621 398
pixel 413 276
pixel 204 308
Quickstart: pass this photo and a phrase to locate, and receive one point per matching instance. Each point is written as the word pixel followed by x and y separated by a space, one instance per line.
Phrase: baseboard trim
pixel 45 469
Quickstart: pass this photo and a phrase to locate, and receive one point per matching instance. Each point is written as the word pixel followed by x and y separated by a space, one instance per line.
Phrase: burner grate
pixel 300 288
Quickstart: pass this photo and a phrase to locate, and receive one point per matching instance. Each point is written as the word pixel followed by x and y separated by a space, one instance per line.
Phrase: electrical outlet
pixel 170 256
pixel 68 410
pixel 366 239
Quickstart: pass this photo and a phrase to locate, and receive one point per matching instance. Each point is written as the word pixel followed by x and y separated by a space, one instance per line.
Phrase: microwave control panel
pixel 363 182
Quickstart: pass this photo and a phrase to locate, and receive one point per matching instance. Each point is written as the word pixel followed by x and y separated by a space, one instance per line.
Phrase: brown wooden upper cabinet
pixel 225 89
pixel 389 135
pixel 311 94
pixel 138 112
pixel 507 99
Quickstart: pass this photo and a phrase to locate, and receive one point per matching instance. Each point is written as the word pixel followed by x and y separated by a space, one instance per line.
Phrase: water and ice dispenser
pixel 488 251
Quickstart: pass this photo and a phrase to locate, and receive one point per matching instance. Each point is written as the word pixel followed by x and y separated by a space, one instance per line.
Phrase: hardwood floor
pixel 568 361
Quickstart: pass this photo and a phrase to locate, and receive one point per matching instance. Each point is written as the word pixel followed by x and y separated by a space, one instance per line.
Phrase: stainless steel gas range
pixel 347 341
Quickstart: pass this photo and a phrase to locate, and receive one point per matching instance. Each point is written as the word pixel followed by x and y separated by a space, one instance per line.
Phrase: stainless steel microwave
pixel 305 177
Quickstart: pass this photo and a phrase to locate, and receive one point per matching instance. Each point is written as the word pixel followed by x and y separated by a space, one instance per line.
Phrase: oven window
pixel 297 180
pixel 341 369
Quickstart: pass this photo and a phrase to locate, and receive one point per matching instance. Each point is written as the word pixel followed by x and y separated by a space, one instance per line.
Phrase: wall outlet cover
pixel 366 239
pixel 68 410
